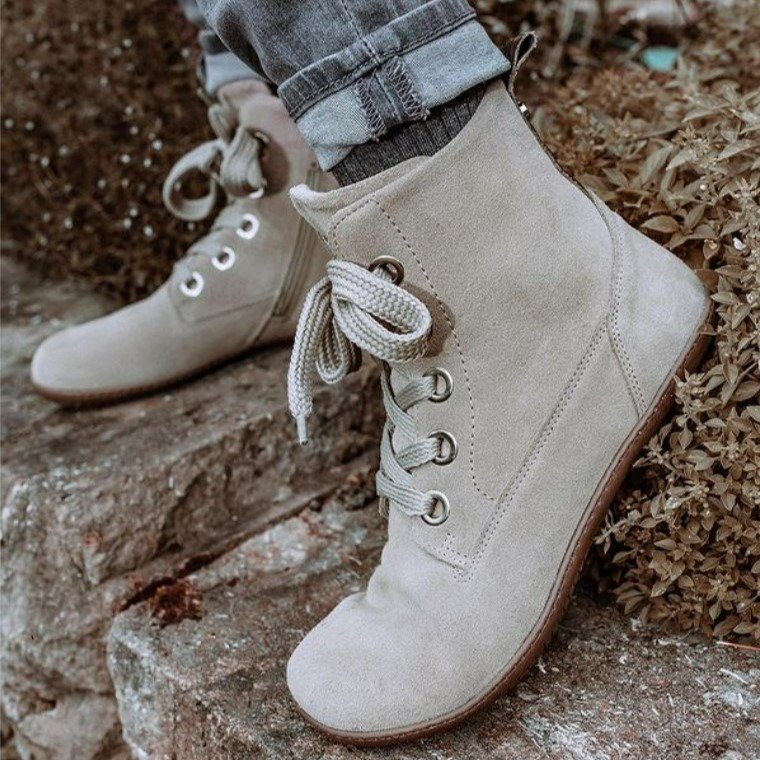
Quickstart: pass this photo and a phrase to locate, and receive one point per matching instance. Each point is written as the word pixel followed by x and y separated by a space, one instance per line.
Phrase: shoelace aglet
pixel 303 437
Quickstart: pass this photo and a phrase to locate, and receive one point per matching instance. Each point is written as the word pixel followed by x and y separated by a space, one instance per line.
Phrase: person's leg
pixel 349 71
pixel 217 66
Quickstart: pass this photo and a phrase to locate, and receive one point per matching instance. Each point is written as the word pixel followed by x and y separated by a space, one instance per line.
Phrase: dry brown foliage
pixel 678 155
pixel 99 100
pixel 176 601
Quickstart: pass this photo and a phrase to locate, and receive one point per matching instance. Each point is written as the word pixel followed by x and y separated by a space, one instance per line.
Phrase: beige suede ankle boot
pixel 529 340
pixel 238 288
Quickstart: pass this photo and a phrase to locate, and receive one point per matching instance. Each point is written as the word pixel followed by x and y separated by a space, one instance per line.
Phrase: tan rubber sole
pixel 572 566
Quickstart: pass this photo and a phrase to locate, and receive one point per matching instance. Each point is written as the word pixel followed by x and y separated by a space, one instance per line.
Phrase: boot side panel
pixel 660 303
pixel 309 265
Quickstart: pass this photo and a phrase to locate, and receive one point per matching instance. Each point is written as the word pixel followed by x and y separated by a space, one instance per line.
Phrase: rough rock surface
pixel 214 687
pixel 102 506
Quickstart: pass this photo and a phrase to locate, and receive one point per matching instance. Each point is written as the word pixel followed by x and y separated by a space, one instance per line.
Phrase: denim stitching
pixel 382 74
pixel 374 118
pixel 360 38
pixel 296 104
pixel 410 99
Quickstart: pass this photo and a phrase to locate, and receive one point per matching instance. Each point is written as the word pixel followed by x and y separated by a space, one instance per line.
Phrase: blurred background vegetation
pixel 653 104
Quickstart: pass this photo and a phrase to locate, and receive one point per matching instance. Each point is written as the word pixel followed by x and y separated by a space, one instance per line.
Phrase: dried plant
pixel 678 155
pixel 99 99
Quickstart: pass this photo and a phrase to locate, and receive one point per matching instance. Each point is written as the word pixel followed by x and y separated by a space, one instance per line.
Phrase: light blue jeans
pixel 350 70
pixel 217 66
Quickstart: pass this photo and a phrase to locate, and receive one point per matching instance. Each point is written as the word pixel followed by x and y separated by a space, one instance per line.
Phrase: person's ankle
pixel 417 138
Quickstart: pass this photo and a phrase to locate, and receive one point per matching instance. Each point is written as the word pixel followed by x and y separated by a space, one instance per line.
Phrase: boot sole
pixel 117 395
pixel 572 566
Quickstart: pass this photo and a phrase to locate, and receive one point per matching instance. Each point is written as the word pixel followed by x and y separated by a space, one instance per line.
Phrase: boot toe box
pixel 60 365
pixel 122 352
pixel 366 673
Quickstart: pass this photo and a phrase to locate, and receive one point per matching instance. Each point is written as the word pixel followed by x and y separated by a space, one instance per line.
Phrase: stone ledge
pixel 214 687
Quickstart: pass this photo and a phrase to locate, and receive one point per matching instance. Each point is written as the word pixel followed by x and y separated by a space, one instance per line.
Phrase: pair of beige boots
pixel 529 341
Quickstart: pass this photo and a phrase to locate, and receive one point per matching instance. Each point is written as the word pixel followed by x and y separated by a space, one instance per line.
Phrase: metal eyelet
pixel 264 140
pixel 445 437
pixel 192 286
pixel 249 228
pixel 224 260
pixel 448 384
pixel 393 266
pixel 437 519
pixel 260 136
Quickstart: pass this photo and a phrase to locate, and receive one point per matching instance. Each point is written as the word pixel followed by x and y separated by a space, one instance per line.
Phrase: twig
pixel 749 647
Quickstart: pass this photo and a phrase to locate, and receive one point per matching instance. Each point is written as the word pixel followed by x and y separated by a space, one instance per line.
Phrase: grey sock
pixel 418 138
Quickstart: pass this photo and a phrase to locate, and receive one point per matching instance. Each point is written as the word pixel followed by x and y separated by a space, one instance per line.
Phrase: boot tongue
pixel 235 94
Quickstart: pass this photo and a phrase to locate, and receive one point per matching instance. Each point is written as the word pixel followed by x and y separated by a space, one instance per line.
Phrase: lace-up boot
pixel 238 288
pixel 529 340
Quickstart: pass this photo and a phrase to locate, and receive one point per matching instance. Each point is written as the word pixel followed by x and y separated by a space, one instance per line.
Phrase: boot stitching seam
pixel 616 339
pixel 545 433
pixel 350 212
pixel 602 330
pixel 532 457
pixel 446 547
pixel 347 214
pixel 441 305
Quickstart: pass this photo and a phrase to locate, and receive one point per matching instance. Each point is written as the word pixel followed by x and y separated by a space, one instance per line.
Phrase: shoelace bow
pixel 237 153
pixel 354 309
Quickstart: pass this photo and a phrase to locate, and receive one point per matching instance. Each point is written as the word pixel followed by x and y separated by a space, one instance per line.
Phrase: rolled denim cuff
pixel 215 71
pixel 391 76
pixel 218 66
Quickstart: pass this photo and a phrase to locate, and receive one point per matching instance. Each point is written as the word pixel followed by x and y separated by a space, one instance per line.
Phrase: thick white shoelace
pixel 354 309
pixel 239 173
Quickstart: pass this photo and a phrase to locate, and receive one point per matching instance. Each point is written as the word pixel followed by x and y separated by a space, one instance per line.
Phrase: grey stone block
pixel 214 687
